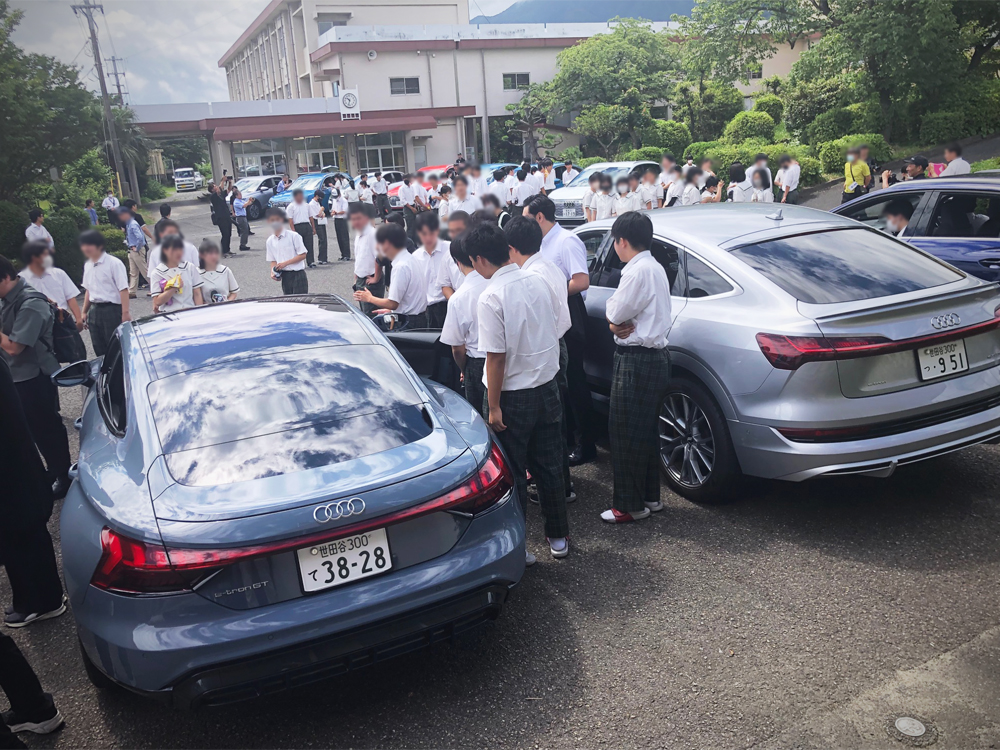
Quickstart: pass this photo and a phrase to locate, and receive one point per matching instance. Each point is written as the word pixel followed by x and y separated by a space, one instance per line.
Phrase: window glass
pixel 609 273
pixel 400 86
pixel 702 281
pixel 844 265
pixel 966 214
pixel 111 389
pixel 515 81
pixel 593 241
pixel 870 212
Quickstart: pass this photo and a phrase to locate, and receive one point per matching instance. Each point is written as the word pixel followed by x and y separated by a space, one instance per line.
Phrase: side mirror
pixel 75 374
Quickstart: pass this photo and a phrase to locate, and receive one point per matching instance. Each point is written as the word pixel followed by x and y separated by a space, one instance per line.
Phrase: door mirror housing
pixel 78 373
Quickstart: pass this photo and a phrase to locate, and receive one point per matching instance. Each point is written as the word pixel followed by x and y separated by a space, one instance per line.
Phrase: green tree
pixel 603 125
pixel 49 118
pixel 628 70
pixel 134 146
pixel 184 152
pixel 87 177
pixel 706 107
pixel 529 116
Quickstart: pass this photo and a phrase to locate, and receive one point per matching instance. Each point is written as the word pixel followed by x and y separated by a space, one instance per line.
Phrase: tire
pixel 253 211
pixel 97 678
pixel 697 458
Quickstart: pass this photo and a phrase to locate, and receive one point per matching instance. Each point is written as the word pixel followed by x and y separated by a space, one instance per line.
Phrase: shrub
pixel 573 154
pixel 67 255
pixel 979 166
pixel 588 161
pixel 750 125
pixel 114 239
pixel 811 172
pixel 707 112
pixel 154 192
pixel 13 221
pixel 866 117
pixel 806 100
pixel 698 149
pixel 831 154
pixel 724 155
pixel 122 255
pixel 651 153
pixel 941 127
pixel 78 216
pixel 830 126
pixel 667 135
pixel 771 104
pixel 982 108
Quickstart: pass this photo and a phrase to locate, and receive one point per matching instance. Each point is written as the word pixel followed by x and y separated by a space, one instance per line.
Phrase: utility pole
pixel 87 8
pixel 118 74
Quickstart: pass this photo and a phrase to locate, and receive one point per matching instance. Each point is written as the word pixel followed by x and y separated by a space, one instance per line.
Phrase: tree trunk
pixel 133 181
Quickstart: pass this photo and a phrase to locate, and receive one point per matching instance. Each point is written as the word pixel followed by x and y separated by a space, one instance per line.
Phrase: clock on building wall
pixel 350 107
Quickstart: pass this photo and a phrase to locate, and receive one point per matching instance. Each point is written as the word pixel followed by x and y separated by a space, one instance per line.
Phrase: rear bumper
pixel 764 453
pixel 336 655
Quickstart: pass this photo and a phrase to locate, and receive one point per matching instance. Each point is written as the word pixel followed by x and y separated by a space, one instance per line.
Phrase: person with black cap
pixel 914 168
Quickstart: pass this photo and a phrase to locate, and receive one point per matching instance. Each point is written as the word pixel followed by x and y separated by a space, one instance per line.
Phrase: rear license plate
pixel 942 359
pixel 323 566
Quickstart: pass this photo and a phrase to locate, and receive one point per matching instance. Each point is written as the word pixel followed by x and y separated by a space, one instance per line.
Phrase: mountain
pixel 585 11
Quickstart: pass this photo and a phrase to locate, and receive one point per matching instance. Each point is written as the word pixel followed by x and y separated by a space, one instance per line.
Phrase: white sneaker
pixel 615 516
pixel 529 559
pixel 571 495
pixel 559 547
pixel 654 507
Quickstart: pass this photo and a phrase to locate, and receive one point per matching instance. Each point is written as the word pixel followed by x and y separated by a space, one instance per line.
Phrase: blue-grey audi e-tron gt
pixel 268 495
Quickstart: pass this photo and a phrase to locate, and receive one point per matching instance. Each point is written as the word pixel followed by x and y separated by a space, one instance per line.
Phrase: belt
pixel 101 304
pixel 636 349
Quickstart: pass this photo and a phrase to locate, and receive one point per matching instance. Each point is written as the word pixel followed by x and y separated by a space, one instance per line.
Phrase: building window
pixel 316 154
pixel 381 152
pixel 402 86
pixel 515 81
pixel 754 73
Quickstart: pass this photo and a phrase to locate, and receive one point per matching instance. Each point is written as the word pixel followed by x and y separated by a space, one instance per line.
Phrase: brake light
pixel 791 352
pixel 134 567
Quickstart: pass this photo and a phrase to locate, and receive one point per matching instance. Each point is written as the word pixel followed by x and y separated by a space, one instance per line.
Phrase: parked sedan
pixel 267 495
pixel 805 345
pixel 956 219
pixel 259 188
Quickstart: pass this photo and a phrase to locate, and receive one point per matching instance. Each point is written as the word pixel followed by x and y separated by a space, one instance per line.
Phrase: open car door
pixel 429 358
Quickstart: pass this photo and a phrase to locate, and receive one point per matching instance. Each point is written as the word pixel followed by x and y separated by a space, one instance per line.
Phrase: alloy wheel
pixel 687 445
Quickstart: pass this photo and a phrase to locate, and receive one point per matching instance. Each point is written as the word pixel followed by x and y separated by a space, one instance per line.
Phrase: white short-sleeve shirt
pixel 409 285
pixel 364 252
pixel 565 251
pixel 603 204
pixel 190 255
pixel 190 280
pixel 470 205
pixel 691 195
pixel 451 274
pixel 553 278
pixel 315 211
pixel 298 213
pixel 513 321
pixel 461 323
pixel 54 283
pixel 105 279
pixel 642 297
pixel 219 284
pixel 285 246
pixel 628 202
pixel 432 265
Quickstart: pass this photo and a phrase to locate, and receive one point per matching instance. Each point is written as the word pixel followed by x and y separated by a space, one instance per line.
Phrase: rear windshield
pixel 844 265
pixel 284 412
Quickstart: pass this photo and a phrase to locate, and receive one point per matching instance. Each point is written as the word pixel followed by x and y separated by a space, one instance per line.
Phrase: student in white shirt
pixel 639 317
pixel 286 254
pixel 791 173
pixel 604 202
pixel 706 172
pixel 568 253
pixel 367 271
pixel 175 283
pixel 650 190
pixel 713 191
pixel 461 327
pixel 762 190
pixel 675 190
pixel 35 231
pixel 433 257
pixel 300 221
pixel 365 194
pixel 548 176
pixel 510 181
pixel 477 181
pixel 169 228
pixel 524 190
pixel 40 273
pixel 106 302
pixel 319 221
pixel 760 165
pixel 666 173
pixel 625 199
pixel 499 187
pixel 460 198
pixel 451 277
pixel 111 204
pixel 380 191
pixel 517 332
pixel 956 164
pixel 593 186
pixel 339 206
pixel 219 282
pixel 569 173
pixel 740 189
pixel 408 199
pixel 407 295
pixel 444 205
pixel 691 195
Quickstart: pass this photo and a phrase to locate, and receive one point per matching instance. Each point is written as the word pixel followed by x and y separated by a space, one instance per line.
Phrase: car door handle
pixel 990 262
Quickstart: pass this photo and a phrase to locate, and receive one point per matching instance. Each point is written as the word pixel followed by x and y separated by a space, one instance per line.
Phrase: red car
pixel 422 175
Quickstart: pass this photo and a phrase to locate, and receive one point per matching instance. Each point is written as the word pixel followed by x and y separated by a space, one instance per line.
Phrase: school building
pixel 382 85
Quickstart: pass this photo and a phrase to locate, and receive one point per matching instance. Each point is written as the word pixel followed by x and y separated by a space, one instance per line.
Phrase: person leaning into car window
pixel 914 168
pixel 407 295
pixel 175 284
pixel 638 315
pixel 896 215
pixel 287 254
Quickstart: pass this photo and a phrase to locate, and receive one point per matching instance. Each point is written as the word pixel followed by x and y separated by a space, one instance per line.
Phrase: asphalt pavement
pixel 807 615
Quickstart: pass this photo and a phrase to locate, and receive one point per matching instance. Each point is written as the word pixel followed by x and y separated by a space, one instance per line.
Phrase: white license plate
pixel 942 359
pixel 323 566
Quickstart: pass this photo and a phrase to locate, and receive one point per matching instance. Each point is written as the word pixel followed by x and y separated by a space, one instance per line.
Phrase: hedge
pixel 697 150
pixel 831 154
pixel 589 161
pixel 67 255
pixel 723 156
pixel 650 153
pixel 749 125
pixel 13 222
pixel 78 216
pixel 941 127
pixel 982 109
pixel 831 125
pixel 114 239
pixel 667 135
pixel 771 104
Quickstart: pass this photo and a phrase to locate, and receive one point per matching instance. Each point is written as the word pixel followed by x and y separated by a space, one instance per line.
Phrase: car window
pixel 966 214
pixel 870 212
pixel 844 265
pixel 702 280
pixel 592 241
pixel 609 273
pixel 111 398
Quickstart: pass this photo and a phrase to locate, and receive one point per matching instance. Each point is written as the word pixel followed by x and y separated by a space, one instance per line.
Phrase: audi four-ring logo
pixel 946 321
pixel 340 509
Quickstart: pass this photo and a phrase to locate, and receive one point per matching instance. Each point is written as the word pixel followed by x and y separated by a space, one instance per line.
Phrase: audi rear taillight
pixel 791 352
pixel 129 566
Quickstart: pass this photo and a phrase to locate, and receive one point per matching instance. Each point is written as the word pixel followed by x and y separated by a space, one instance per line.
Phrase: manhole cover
pixel 915 731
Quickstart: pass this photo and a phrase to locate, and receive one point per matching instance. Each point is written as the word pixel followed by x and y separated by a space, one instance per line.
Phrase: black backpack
pixel 67 344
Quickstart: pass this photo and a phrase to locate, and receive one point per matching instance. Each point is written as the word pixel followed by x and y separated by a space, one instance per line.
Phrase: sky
pixel 171 48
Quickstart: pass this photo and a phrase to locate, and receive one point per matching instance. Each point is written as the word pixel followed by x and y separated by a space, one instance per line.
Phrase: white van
pixel 188 178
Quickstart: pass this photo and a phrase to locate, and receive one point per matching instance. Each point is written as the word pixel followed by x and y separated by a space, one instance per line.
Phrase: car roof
pixel 976 181
pixel 212 334
pixel 727 225
pixel 628 164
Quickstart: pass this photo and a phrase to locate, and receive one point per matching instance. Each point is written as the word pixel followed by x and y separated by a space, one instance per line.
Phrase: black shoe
pixel 244 249
pixel 251 234
pixel 46 722
pixel 60 487
pixel 312 265
pixel 582 456
pixel 11 742
pixel 18 620
pixel 229 255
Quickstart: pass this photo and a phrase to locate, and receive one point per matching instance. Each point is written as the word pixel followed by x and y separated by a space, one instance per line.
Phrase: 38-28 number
pixel 342 568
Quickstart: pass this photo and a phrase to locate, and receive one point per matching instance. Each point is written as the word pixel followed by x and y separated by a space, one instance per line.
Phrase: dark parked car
pixel 956 219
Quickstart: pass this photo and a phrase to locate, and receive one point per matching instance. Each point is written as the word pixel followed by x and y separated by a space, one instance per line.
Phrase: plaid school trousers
pixel 638 384
pixel 534 440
